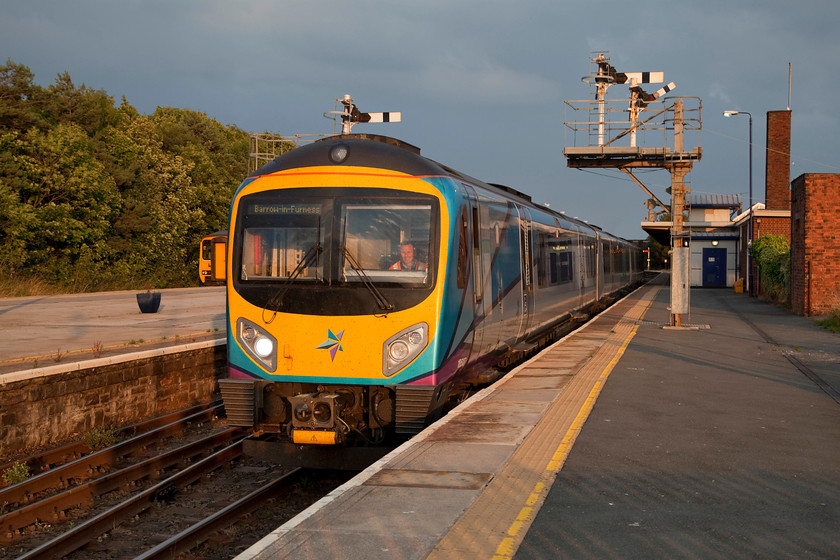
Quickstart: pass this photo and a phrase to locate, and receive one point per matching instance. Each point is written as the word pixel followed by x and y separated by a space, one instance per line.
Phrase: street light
pixel 750 228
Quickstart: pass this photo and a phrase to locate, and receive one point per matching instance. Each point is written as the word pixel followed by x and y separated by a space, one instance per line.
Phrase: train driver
pixel 407 261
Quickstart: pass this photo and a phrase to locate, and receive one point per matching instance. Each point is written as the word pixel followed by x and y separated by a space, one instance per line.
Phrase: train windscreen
pixel 336 251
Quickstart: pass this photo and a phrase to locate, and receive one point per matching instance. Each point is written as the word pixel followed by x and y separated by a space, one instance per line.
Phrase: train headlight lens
pixel 263 347
pixel 339 153
pixel 403 347
pixel 398 351
pixel 257 343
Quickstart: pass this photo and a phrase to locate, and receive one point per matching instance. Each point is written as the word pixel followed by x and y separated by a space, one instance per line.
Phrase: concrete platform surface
pixel 706 444
pixel 46 330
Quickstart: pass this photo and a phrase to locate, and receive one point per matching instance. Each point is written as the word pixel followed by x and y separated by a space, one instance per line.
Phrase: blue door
pixel 714 267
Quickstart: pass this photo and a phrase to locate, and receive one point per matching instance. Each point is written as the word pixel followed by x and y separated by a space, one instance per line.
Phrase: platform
pixel 44 331
pixel 623 440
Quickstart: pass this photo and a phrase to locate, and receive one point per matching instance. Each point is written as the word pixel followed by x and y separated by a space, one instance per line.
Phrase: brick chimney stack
pixel 777 171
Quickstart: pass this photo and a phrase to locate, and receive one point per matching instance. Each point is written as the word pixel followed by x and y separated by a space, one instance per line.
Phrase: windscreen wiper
pixel 381 300
pixel 312 254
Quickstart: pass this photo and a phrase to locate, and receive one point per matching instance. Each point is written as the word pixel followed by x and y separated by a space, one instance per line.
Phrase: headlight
pixel 403 347
pixel 257 343
pixel 263 347
pixel 398 351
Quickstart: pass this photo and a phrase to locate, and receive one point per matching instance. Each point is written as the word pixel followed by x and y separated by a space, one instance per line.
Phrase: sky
pixel 482 85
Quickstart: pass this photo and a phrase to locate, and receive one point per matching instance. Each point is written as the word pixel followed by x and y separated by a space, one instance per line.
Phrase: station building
pixel 714 238
pixel 805 211
pixel 719 225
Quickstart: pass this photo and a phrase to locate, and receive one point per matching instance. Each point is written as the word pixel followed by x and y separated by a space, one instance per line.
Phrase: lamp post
pixel 750 226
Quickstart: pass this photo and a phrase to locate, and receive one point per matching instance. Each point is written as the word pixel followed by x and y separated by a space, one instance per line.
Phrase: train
pixel 212 258
pixel 368 285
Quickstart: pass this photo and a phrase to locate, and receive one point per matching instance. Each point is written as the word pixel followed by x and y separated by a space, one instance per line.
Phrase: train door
pixel 581 268
pixel 218 270
pixel 485 323
pixel 506 285
pixel 526 244
pixel 599 266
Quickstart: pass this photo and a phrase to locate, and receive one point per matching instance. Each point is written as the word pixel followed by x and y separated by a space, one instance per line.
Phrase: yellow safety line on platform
pixel 496 523
pixel 508 546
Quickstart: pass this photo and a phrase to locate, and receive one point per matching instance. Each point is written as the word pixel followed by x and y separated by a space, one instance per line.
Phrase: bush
pixel 15 474
pixel 100 438
pixel 772 257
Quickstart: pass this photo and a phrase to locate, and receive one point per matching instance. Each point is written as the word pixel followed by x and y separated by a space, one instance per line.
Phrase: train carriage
pixel 366 284
pixel 212 256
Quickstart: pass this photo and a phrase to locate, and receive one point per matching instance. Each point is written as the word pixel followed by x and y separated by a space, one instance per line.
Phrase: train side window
pixel 607 256
pixel 205 249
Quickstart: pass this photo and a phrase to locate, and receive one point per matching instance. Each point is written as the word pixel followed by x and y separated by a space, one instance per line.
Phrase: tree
pixel 17 94
pixel 95 196
pixel 60 202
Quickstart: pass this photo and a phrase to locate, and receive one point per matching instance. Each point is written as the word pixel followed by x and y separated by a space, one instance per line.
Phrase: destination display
pixel 284 209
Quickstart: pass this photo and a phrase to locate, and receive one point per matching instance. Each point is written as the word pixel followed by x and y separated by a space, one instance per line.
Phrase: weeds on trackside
pixel 17 473
pixel 832 322
pixel 101 437
pixel 96 350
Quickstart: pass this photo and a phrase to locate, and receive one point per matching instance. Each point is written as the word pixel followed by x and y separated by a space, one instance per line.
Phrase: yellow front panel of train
pixel 339 347
pixel 335 347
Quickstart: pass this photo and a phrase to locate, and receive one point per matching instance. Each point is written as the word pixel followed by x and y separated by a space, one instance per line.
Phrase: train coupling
pixel 315 418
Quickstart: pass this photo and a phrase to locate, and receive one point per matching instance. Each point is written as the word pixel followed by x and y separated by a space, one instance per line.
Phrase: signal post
pixel 612 129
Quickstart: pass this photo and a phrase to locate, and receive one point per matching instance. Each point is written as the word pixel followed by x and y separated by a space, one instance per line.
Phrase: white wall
pixel 696 258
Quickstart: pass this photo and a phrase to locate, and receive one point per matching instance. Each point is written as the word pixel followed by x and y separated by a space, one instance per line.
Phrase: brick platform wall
pixel 40 408
pixel 815 247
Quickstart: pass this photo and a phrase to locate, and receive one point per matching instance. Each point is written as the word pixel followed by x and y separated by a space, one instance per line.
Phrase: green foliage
pixel 100 438
pixel 832 322
pixel 772 257
pixel 96 196
pixel 658 254
pixel 17 473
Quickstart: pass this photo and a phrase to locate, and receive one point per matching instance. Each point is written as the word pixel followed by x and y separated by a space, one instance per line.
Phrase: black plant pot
pixel 149 302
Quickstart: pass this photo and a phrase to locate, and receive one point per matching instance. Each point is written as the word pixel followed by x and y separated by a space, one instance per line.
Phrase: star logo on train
pixel 333 344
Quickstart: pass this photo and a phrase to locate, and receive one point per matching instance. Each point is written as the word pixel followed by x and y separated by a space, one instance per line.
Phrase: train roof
pixel 384 152
pixel 361 150
pixel 372 150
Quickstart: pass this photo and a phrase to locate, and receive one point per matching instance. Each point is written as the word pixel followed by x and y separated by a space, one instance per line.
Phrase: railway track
pixel 130 500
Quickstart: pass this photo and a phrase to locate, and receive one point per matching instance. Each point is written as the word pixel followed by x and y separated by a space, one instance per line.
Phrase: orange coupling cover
pixel 317 437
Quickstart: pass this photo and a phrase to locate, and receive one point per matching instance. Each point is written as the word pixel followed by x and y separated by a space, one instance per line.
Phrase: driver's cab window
pixel 387 242
pixel 279 241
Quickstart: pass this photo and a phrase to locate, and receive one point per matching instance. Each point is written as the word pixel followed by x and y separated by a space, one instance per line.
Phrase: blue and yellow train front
pixel 335 286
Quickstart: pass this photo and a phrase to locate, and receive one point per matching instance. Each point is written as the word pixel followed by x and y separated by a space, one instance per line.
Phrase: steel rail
pixel 72 451
pixel 191 537
pixel 83 495
pixel 82 534
pixel 86 467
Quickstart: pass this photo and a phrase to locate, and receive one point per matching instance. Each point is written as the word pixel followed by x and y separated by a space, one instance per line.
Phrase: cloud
pixel 483 83
pixel 719 91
